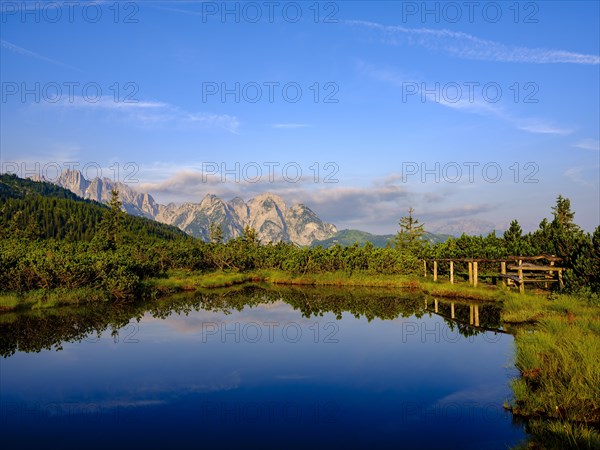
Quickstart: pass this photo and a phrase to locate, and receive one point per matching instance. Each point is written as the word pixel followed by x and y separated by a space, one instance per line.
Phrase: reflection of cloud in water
pixel 480 394
pixel 112 404
pixel 292 377
pixel 197 322
pixel 154 395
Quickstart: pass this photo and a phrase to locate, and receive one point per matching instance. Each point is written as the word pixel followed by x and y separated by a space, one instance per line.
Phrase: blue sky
pixel 473 117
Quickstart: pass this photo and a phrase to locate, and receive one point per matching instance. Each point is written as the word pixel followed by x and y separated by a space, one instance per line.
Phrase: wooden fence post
pixel 551 274
pixel 435 270
pixel 521 280
pixel 475 274
pixel 470 272
pixel 503 272
pixel 560 280
pixel 451 272
pixel 424 268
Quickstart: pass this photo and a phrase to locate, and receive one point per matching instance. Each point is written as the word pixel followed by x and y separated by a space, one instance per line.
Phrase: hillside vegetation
pixel 51 239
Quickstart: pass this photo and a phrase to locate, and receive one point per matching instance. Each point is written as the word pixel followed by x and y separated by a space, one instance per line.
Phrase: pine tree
pixel 512 238
pixel 410 236
pixel 110 227
pixel 563 216
pixel 564 232
pixel 215 233
pixel 250 235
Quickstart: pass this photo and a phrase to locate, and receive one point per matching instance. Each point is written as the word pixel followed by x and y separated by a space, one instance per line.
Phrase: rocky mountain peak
pixel 211 201
pixel 267 213
pixel 73 180
pixel 268 201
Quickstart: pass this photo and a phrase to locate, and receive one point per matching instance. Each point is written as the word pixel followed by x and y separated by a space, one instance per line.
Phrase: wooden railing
pixel 518 273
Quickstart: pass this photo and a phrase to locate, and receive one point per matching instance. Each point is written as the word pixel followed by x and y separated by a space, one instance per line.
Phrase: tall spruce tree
pixel 410 236
pixel 512 238
pixel 109 232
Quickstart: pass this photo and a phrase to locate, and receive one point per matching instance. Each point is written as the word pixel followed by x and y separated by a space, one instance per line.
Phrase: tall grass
pixel 9 301
pixel 560 367
pixel 559 361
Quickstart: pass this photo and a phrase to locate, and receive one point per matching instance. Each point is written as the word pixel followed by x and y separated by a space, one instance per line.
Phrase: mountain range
pixel 267 213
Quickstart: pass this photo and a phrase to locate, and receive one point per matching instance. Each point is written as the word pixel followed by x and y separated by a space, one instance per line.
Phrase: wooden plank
pixel 534 258
pixel 514 278
pixel 510 258
pixel 535 268
pixel 538 280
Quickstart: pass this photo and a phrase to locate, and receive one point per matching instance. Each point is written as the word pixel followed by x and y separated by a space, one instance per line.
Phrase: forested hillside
pixel 51 239
pixel 34 209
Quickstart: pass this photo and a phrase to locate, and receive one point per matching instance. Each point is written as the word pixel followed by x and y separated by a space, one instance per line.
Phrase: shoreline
pixel 555 335
pixel 184 281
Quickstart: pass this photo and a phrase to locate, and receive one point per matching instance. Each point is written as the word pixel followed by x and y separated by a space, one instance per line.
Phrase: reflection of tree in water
pixel 34 331
pixel 45 330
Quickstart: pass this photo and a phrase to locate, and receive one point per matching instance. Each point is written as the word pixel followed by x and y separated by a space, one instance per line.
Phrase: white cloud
pixel 542 127
pixel 576 175
pixel 467 46
pixel 290 126
pixel 588 144
pixel 23 51
pixel 149 113
pixel 376 207
pixel 108 103
pixel 465 104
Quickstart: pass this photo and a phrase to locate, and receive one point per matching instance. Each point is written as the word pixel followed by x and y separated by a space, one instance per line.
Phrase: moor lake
pixel 261 367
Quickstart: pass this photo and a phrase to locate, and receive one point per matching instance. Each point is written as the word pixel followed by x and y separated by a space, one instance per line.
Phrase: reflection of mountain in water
pixel 34 331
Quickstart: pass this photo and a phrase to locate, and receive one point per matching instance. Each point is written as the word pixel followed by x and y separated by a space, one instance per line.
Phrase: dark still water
pixel 258 368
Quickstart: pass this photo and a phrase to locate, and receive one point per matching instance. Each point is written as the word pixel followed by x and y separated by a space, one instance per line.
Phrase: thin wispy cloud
pixel 588 144
pixel 25 52
pixel 576 175
pixel 188 12
pixel 467 46
pixel 108 102
pixel 290 126
pixel 404 82
pixel 150 113
pixel 196 180
pixel 464 103
pixel 542 127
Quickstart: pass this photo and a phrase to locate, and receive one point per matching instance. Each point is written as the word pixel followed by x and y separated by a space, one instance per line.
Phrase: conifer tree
pixel 410 236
